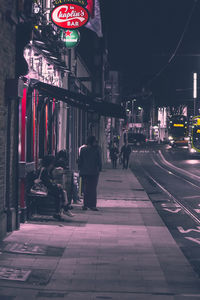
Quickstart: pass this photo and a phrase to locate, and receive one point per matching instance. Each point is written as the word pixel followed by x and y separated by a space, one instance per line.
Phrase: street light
pixel 195 91
pixel 132 108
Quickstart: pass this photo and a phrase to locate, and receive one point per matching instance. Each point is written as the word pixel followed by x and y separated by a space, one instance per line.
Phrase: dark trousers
pixel 125 162
pixel 114 163
pixel 59 197
pixel 90 190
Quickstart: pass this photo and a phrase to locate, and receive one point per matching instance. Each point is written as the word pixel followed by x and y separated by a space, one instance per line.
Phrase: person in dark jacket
pixel 125 153
pixel 114 155
pixel 90 164
pixel 55 190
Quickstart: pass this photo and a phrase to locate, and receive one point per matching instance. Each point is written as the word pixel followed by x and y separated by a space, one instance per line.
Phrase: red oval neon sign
pixel 70 16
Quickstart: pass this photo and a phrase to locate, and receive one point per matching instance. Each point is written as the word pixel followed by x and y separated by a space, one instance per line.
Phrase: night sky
pixel 142 36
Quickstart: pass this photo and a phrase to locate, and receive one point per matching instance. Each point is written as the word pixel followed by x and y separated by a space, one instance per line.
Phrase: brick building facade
pixel 7 116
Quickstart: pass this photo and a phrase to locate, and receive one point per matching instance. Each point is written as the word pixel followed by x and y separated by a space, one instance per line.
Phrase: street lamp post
pixel 195 91
pixel 133 109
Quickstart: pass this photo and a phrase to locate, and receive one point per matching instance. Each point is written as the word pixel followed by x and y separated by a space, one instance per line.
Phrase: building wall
pixel 62 126
pixel 114 82
pixel 83 72
pixel 7 71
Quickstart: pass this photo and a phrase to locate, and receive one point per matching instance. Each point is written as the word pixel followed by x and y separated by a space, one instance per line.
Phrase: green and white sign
pixel 71 38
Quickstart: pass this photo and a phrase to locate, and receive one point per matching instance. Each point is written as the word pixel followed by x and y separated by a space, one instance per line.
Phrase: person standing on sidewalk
pixel 114 155
pixel 90 164
pixel 125 153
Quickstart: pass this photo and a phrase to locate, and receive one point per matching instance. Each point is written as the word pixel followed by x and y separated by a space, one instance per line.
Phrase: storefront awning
pixel 81 101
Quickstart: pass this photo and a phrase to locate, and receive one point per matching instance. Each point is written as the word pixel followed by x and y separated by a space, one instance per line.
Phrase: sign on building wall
pixel 71 38
pixel 69 16
pixel 79 2
pixel 162 116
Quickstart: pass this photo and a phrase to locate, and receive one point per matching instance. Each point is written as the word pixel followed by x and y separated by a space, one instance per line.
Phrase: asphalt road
pixel 171 178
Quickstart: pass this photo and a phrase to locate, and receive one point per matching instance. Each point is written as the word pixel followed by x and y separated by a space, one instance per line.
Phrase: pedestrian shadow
pixel 42 219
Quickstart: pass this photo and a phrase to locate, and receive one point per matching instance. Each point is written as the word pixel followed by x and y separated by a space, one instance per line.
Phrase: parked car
pixel 136 139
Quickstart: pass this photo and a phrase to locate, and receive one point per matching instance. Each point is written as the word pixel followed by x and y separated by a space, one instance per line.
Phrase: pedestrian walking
pixel 90 164
pixel 125 154
pixel 114 155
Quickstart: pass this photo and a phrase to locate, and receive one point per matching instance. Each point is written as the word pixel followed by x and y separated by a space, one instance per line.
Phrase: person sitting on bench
pixel 55 190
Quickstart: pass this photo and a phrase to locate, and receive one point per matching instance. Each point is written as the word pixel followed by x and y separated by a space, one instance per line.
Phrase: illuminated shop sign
pixel 78 2
pixel 71 38
pixel 69 16
pixel 178 125
pixel 196 121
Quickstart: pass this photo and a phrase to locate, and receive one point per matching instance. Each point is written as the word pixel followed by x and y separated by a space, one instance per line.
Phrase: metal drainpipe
pixel 16 161
pixel 7 194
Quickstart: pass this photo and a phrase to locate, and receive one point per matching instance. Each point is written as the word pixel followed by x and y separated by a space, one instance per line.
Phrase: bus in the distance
pixel 194 135
pixel 178 131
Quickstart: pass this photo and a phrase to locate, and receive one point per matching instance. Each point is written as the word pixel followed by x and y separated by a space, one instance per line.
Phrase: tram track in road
pixel 178 170
pixel 187 210
pixel 172 173
pixel 184 175
pixel 175 198
pixel 181 176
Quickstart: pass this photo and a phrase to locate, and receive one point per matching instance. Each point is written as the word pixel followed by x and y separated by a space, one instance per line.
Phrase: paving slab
pixel 123 251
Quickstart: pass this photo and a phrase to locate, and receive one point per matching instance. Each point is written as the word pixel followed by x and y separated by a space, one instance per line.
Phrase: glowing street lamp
pixel 194 90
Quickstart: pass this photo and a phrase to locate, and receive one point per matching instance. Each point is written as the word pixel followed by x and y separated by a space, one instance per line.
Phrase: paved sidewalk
pixel 122 252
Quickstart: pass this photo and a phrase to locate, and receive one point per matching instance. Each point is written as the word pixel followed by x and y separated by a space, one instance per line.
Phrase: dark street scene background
pixel 127 73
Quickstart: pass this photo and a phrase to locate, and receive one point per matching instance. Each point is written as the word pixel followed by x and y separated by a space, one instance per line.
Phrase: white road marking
pixel 190 197
pixel 193 240
pixel 173 211
pixel 181 230
pixel 167 204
